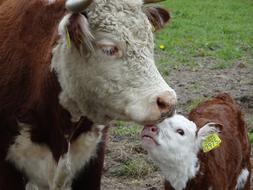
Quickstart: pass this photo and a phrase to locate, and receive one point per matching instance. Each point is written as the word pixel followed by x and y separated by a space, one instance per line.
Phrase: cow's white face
pixel 117 77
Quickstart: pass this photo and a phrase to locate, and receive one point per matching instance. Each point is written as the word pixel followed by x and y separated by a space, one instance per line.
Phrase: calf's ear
pixel 208 129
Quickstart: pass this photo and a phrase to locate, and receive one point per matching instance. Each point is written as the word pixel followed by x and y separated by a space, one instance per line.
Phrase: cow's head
pixel 104 60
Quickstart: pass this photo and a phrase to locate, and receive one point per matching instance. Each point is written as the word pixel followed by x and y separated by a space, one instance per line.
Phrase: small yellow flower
pixel 162 47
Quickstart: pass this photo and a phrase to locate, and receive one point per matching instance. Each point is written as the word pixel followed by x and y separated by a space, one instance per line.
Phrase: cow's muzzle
pixel 166 105
pixel 163 107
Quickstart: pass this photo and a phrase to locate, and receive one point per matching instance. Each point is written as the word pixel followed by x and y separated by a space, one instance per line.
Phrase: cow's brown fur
pixel 29 90
pixel 26 79
pixel 1 1
pixel 220 168
pixel 26 53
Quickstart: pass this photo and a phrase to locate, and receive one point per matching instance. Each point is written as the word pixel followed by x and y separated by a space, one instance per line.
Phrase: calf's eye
pixel 180 131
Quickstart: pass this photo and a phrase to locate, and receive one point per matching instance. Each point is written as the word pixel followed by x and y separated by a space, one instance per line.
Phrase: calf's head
pixel 104 60
pixel 175 139
pixel 174 145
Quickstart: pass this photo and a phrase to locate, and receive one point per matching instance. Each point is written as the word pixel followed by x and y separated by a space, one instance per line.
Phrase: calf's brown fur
pixel 220 168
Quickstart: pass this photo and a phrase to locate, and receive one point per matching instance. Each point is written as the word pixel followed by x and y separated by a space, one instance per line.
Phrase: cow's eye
pixel 110 50
pixel 180 131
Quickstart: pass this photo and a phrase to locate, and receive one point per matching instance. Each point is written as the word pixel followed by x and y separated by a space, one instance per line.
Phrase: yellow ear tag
pixel 211 142
pixel 68 38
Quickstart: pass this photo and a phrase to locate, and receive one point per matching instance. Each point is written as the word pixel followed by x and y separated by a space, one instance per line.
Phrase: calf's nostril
pixel 154 129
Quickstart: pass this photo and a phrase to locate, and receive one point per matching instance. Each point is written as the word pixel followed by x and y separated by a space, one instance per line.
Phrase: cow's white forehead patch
pixel 123 17
pixel 127 21
pixel 132 3
pixel 49 2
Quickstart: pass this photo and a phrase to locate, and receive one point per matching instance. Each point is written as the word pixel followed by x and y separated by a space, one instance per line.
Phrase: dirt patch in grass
pixel 127 167
pixel 194 86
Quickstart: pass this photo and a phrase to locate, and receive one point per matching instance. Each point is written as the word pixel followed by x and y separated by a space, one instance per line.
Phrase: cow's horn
pixel 152 1
pixel 77 6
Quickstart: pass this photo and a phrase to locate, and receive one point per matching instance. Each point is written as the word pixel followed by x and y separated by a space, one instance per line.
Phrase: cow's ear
pixel 74 29
pixel 206 130
pixel 79 32
pixel 158 17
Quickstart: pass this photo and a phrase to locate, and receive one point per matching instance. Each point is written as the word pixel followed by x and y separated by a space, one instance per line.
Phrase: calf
pixel 176 146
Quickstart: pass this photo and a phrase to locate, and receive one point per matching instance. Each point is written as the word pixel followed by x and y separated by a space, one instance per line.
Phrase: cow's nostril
pixel 161 103
pixel 166 104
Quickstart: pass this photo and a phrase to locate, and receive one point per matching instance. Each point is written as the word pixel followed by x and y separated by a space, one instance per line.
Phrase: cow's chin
pixel 143 115
pixel 102 113
pixel 106 117
pixel 135 114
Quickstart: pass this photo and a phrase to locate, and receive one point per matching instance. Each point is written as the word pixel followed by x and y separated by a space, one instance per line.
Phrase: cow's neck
pixel 49 120
pixel 69 145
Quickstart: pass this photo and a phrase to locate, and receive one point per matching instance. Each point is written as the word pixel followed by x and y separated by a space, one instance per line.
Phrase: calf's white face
pixel 117 78
pixel 174 145
pixel 175 137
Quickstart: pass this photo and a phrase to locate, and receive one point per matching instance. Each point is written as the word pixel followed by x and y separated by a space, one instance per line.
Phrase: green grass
pixel 251 121
pixel 221 30
pixel 135 168
pixel 194 103
pixel 126 129
pixel 250 137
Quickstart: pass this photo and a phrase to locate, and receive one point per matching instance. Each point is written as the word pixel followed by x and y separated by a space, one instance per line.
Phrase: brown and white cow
pixel 63 73
pixel 176 147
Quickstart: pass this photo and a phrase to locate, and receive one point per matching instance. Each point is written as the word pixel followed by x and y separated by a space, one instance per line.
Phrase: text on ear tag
pixel 211 142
